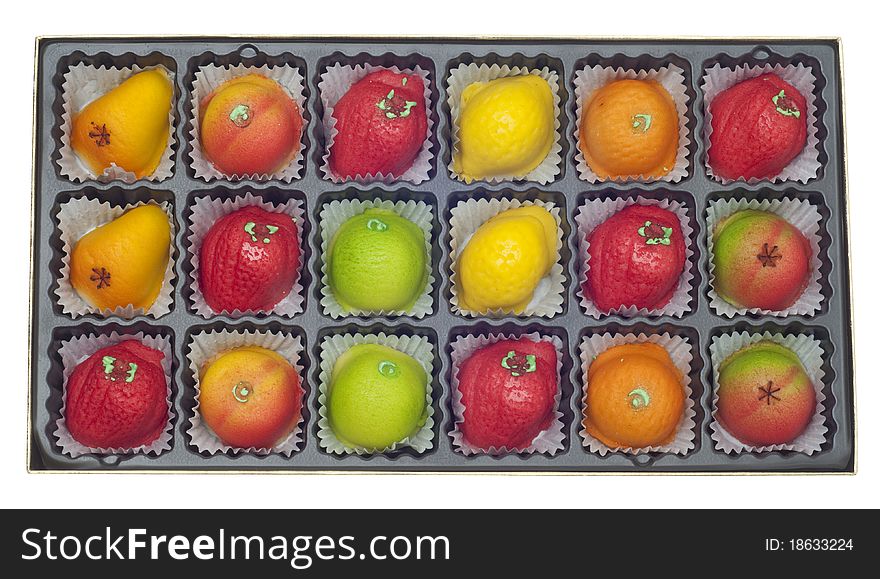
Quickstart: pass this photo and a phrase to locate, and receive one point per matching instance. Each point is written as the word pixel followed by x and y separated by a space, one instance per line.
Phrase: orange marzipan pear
pixel 123 262
pixel 128 126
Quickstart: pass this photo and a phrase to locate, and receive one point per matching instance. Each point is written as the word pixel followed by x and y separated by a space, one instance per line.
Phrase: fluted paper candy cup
pixel 84 83
pixel 75 351
pixel 206 212
pixel 467 217
pixel 717 79
pixel 592 214
pixel 334 83
pixel 680 351
pixel 204 348
pixel 336 213
pixel 809 351
pixel 211 77
pixel 417 347
pixel 78 217
pixel 592 78
pixel 548 441
pixel 467 74
pixel 805 218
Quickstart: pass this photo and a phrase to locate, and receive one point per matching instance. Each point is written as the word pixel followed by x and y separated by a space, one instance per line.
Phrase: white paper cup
pixel 593 213
pixel 206 212
pixel 84 83
pixel 75 351
pixel 467 217
pixel 680 351
pixel 211 77
pixel 79 216
pixel 334 83
pixel 204 348
pixel 800 214
pixel 548 441
pixel 467 74
pixel 336 213
pixel 592 78
pixel 809 351
pixel 417 347
pixel 717 79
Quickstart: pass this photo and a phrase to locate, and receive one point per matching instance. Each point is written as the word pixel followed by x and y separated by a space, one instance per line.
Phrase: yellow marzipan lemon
pixel 507 256
pixel 505 127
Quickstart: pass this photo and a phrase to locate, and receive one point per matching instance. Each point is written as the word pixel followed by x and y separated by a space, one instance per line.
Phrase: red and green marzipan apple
pixel 382 124
pixel 250 126
pixel 761 260
pixel 764 395
pixel 249 260
pixel 758 127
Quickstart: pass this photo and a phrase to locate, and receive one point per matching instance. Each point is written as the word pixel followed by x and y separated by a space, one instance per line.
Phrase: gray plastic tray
pixel 832 325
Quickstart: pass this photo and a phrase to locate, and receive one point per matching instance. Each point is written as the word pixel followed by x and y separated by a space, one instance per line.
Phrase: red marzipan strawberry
pixel 249 260
pixel 758 127
pixel 636 259
pixel 382 124
pixel 508 391
pixel 116 397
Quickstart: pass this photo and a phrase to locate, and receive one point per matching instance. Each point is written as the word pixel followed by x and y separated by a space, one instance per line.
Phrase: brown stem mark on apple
pixel 768 256
pixel 768 392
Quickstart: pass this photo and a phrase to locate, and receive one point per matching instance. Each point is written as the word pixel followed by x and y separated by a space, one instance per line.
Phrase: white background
pixel 22 21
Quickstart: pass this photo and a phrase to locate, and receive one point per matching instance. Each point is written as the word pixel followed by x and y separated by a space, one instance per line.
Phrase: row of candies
pixel 247 123
pixel 636 256
pixel 376 393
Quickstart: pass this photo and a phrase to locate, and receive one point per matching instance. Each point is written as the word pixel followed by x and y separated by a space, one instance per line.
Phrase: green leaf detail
pixel 240 115
pixel 393 111
pixel 108 361
pixel 242 391
pixel 519 365
pixel 649 231
pixel 406 107
pixel 376 225
pixel 641 123
pixel 639 398
pixel 249 229
pixel 785 106
pixel 389 369
pixel 132 370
